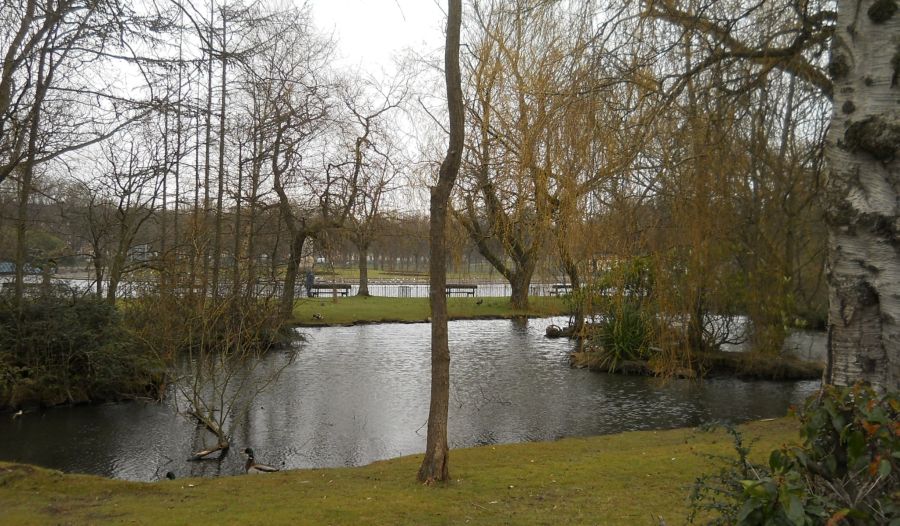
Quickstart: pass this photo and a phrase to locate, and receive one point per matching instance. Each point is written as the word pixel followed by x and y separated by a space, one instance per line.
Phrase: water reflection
pixel 359 394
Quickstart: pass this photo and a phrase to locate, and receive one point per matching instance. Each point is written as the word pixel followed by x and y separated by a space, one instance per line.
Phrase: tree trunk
pixel 220 190
pixel 236 248
pixel 115 277
pixel 21 231
pixel 435 465
pixel 519 284
pixel 581 299
pixel 98 275
pixel 207 167
pixel 290 275
pixel 862 198
pixel 111 290
pixel 696 322
pixel 363 270
pixel 251 223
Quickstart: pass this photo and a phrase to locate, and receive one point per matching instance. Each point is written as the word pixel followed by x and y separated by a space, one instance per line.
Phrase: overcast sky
pixel 370 33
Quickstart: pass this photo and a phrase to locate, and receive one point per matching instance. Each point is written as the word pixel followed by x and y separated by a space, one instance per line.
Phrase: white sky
pixel 370 33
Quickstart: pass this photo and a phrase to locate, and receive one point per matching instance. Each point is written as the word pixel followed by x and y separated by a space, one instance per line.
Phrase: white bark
pixel 863 196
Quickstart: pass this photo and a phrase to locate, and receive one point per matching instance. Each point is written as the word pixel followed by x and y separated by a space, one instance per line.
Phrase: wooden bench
pixel 461 288
pixel 560 289
pixel 335 288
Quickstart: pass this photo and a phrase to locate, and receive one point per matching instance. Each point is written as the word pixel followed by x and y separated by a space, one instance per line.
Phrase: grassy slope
pixel 380 309
pixel 629 478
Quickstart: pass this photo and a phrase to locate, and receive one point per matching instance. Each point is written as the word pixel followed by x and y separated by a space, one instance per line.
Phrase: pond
pixel 358 394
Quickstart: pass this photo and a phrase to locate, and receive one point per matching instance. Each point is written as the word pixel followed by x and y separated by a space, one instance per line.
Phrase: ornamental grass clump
pixel 623 335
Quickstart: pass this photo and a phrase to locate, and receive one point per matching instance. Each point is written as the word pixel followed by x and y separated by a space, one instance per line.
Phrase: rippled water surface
pixel 358 394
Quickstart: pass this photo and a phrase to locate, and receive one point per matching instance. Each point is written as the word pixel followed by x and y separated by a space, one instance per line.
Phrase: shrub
pixel 64 348
pixel 845 471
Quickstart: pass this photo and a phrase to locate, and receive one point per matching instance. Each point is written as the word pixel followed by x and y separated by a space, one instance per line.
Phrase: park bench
pixel 461 288
pixel 560 289
pixel 334 288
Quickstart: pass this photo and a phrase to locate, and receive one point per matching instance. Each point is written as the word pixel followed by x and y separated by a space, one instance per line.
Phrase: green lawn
pixel 373 309
pixel 630 478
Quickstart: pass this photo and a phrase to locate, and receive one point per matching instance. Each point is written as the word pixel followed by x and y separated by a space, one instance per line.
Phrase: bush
pixel 845 471
pixel 60 349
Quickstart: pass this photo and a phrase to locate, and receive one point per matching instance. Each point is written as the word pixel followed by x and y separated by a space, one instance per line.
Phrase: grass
pixel 375 309
pixel 629 478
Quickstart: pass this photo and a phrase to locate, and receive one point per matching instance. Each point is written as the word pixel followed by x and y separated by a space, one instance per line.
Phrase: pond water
pixel 354 395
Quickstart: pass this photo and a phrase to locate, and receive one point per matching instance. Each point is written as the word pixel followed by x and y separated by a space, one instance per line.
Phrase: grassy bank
pixel 630 478
pixel 375 309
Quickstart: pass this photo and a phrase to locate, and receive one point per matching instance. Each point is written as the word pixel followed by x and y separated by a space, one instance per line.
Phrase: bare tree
pixel 436 464
pixel 289 109
pixel 45 47
pixel 124 198
pixel 373 167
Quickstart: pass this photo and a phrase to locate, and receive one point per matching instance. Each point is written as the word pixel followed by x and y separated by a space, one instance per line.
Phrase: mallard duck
pixel 252 467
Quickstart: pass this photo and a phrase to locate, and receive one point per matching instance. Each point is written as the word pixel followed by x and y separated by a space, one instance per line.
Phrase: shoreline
pixel 569 481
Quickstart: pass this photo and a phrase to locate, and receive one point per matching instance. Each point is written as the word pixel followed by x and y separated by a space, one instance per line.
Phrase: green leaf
pixel 856 445
pixel 831 465
pixel 795 512
pixel 777 461
pixel 754 488
pixel 747 510
pixel 839 422
pixel 879 416
pixel 801 457
pixel 884 468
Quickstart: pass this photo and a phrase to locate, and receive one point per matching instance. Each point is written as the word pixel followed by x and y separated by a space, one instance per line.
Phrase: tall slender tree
pixel 435 466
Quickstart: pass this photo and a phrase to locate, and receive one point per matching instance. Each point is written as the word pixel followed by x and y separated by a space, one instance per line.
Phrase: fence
pixel 394 289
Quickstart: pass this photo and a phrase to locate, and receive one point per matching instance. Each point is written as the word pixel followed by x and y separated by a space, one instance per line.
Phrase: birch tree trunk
pixel 435 465
pixel 863 196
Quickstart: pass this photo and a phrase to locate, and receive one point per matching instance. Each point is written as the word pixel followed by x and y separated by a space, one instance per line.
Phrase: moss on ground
pixel 630 478
pixel 377 309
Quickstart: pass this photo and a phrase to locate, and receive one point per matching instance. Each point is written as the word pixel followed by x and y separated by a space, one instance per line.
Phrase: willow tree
pixel 505 209
pixel 863 197
pixel 524 54
pixel 435 466
pixel 861 194
pixel 748 89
